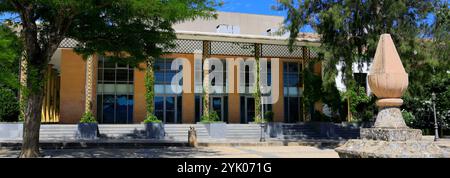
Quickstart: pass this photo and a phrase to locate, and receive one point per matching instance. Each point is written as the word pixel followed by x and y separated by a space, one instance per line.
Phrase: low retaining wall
pixel 11 131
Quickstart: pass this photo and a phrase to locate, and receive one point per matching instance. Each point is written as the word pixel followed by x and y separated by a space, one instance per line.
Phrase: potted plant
pixel 88 127
pixel 154 128
pixel 274 129
pixel 215 127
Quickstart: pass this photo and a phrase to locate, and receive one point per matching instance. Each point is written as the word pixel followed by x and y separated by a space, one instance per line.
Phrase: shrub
pixel 152 119
pixel 268 115
pixel 209 118
pixel 88 117
pixel 9 107
pixel 408 117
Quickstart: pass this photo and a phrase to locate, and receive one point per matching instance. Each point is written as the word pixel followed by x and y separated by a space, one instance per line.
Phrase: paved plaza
pixel 186 152
pixel 293 151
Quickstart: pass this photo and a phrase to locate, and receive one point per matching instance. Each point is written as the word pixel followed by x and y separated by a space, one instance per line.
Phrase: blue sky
pixel 251 7
pixel 256 7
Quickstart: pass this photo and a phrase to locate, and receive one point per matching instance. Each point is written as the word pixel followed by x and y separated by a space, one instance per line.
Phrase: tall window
pixel 224 85
pixel 167 102
pixel 114 92
pixel 292 82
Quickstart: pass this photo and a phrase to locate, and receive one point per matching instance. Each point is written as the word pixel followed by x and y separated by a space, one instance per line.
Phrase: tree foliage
pixel 10 50
pixel 127 31
pixel 350 30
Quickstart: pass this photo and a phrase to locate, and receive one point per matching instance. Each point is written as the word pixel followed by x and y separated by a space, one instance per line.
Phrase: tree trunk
pixel 32 123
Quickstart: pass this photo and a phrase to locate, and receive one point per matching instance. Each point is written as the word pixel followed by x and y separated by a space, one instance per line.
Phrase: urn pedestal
pixel 390 137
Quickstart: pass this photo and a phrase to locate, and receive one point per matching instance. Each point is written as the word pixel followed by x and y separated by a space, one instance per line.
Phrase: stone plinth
pixel 390 117
pixel 386 134
pixel 389 149
pixel 390 137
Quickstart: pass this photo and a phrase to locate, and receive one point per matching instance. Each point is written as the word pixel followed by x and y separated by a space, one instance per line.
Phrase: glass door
pixel 247 109
pixel 168 109
pixel 216 105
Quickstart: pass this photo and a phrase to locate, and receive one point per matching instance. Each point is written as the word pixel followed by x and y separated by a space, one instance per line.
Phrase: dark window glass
pixel 247 76
pixel 293 67
pixel 121 109
pixel 130 108
pixel 159 114
pixel 170 117
pixel 131 76
pixel 285 67
pixel 170 103
pixel 179 109
pixel 109 75
pixel 108 64
pixel 99 108
pixel 250 109
pixel 197 108
pixel 119 65
pixel 217 106
pixel 108 109
pixel 159 103
pixel 113 108
pixel 242 106
pixel 293 109
pixel 122 75
pixel 225 109
pixel 100 75
pixel 159 78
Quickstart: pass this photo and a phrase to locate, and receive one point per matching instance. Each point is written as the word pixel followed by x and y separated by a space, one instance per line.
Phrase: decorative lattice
pixel 186 46
pixel 68 43
pixel 271 50
pixel 232 48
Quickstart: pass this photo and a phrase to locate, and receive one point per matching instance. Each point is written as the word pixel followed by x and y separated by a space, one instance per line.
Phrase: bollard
pixel 192 137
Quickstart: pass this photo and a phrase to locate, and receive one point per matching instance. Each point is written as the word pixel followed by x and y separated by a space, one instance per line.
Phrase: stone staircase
pixel 57 132
pixel 179 132
pixel 316 131
pixel 299 131
pixel 243 131
pixel 121 131
pixel 347 132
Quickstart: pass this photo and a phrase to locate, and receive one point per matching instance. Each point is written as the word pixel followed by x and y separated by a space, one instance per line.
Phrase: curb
pixel 124 144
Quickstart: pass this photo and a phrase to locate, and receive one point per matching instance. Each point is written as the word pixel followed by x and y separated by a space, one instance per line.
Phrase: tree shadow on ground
pixel 157 152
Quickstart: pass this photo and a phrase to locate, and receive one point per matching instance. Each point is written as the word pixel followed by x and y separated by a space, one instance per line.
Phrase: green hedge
pixel 9 106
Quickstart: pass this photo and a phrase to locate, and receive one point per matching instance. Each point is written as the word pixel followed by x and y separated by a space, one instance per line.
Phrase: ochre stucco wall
pixel 72 85
pixel 73 82
pixel 139 94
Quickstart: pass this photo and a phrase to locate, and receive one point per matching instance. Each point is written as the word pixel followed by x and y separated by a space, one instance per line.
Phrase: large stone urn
pixel 389 137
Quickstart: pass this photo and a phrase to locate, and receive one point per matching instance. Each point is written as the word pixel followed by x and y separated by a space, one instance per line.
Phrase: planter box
pixel 216 129
pixel 275 129
pixel 154 130
pixel 11 131
pixel 87 131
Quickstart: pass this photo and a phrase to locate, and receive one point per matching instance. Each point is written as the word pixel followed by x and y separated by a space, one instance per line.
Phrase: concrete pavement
pixel 186 152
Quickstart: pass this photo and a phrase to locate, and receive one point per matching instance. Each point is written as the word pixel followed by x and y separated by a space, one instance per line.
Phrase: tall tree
pixel 350 29
pixel 129 31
